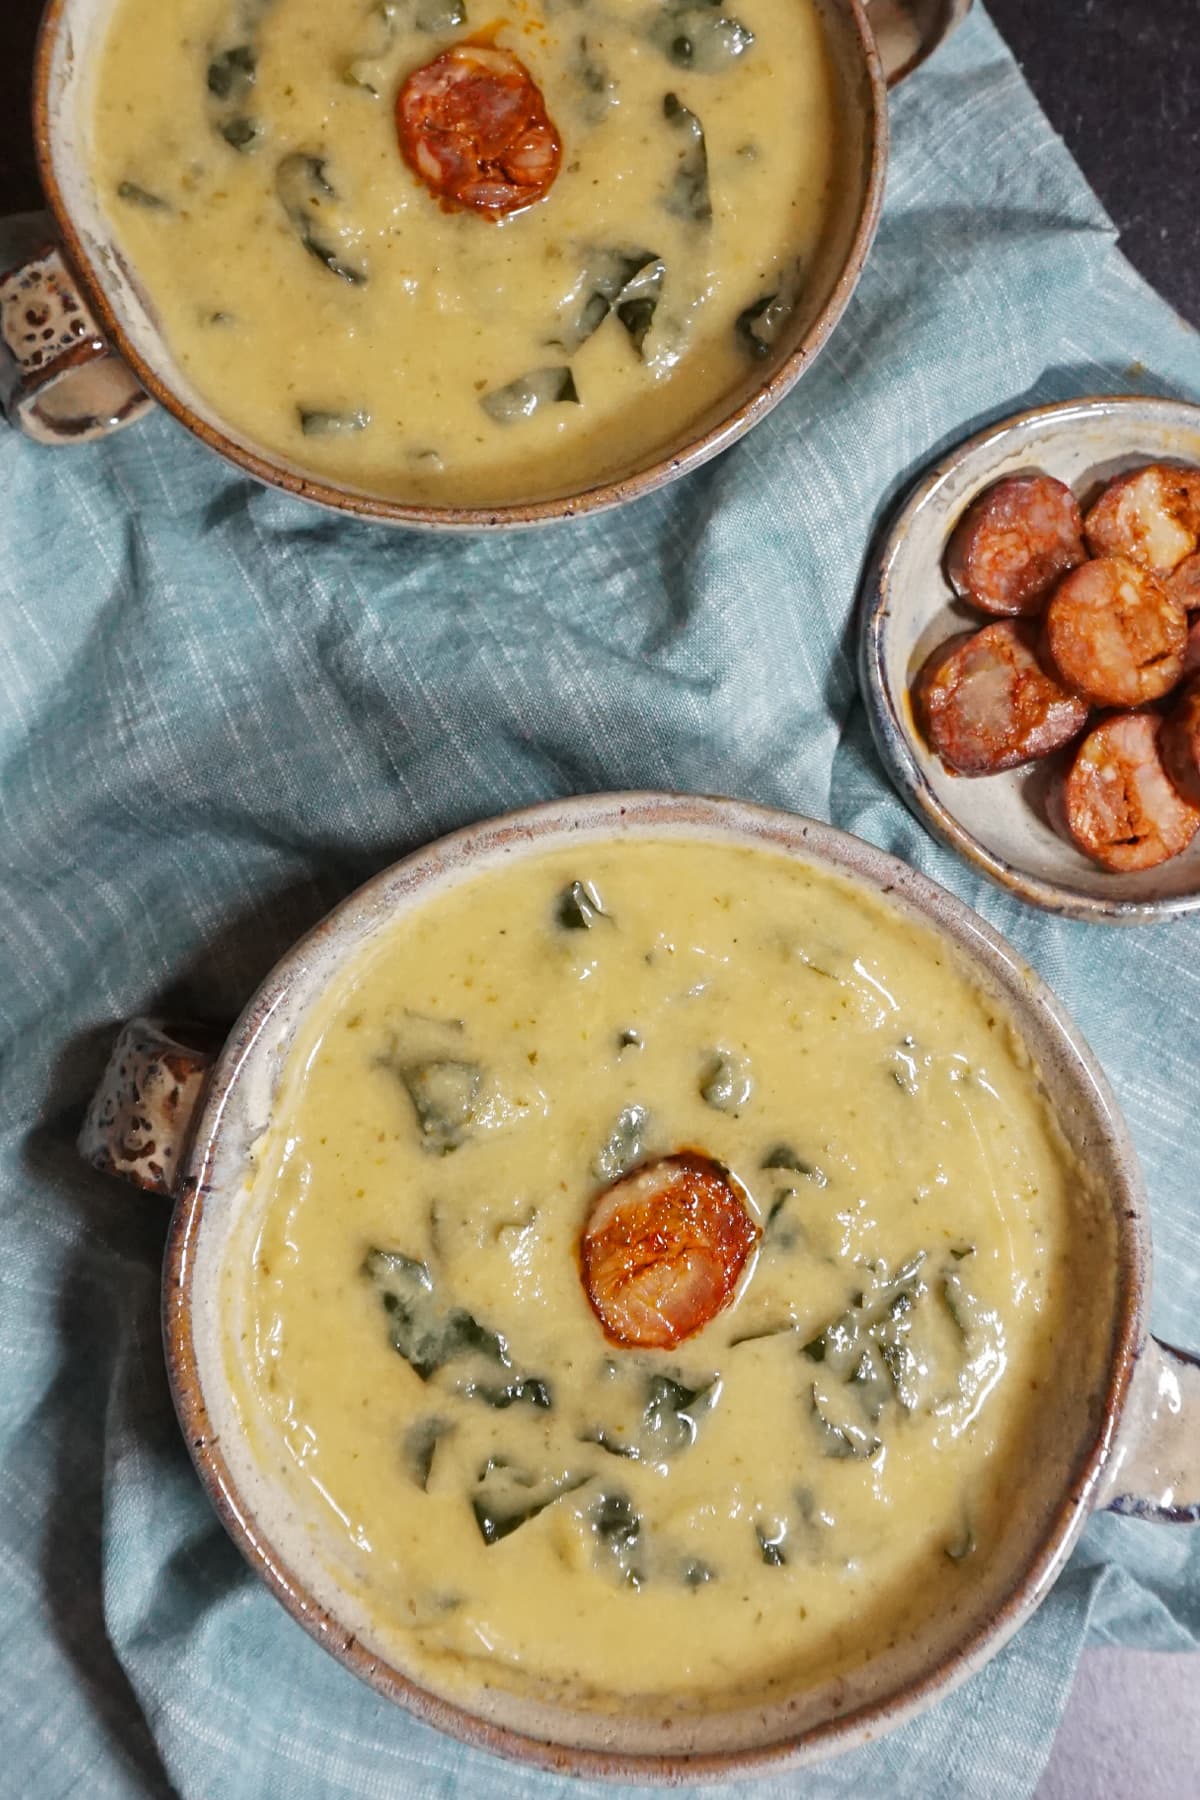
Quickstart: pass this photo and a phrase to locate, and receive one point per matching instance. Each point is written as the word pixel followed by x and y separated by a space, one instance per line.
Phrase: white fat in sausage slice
pixel 1151 515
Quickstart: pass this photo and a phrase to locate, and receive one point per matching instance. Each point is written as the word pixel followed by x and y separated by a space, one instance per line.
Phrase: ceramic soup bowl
pixel 178 1120
pixel 82 334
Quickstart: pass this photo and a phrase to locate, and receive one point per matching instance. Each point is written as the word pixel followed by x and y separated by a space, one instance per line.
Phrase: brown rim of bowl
pixel 893 736
pixel 472 518
pixel 835 849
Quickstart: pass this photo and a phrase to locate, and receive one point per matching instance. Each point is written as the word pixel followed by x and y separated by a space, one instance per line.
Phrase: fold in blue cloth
pixel 222 710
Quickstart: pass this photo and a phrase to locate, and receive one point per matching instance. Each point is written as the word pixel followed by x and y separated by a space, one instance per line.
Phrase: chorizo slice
pixel 1184 583
pixel 663 1248
pixel 1121 808
pixel 1179 743
pixel 1012 544
pixel 1114 634
pixel 986 703
pixel 473 128
pixel 1151 515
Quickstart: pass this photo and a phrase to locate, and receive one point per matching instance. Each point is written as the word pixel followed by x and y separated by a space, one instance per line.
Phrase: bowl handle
pixel 139 1123
pixel 907 31
pixel 1154 1468
pixel 60 382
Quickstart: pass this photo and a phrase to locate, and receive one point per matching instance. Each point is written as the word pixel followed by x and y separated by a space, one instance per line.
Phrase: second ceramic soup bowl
pixel 174 1119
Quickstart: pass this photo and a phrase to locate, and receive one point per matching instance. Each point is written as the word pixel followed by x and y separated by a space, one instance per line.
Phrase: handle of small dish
pixel 1154 1470
pixel 60 381
pixel 140 1120
pixel 908 31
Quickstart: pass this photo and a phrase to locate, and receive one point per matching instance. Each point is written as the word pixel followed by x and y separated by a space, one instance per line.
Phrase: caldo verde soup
pixel 662 1276
pixel 448 253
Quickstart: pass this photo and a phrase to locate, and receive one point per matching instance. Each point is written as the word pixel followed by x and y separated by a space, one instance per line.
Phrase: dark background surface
pixel 1120 79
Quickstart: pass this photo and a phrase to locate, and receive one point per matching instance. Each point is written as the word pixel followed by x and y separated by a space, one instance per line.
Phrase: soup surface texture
pixel 836 1453
pixel 322 298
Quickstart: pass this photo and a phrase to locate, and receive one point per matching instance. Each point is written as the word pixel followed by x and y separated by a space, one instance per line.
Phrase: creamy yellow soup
pixel 322 301
pixel 836 1458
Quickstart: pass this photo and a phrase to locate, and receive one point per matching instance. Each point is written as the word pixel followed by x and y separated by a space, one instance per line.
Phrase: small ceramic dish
pixel 1001 822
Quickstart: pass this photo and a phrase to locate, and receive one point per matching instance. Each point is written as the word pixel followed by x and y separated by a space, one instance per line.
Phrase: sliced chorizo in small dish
pixel 986 703
pixel 1151 515
pixel 1180 743
pixel 1121 807
pixel 1114 634
pixel 1012 544
pixel 473 128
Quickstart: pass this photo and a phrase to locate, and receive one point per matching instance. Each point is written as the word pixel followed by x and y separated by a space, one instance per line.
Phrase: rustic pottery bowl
pixel 110 308
pixel 178 1121
pixel 1003 823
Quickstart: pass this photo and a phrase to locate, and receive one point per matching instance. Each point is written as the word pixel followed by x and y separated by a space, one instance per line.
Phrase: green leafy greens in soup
pixel 519 253
pixel 605 1300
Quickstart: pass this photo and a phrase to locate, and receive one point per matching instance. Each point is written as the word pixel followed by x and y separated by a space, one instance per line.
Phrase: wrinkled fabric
pixel 223 710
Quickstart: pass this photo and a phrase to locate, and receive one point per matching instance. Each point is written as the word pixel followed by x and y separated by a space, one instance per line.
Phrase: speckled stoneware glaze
pixel 72 31
pixel 1002 822
pixel 1136 1449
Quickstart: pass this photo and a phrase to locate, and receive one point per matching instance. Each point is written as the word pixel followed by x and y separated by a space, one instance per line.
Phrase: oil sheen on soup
pixel 662 1276
pixel 450 254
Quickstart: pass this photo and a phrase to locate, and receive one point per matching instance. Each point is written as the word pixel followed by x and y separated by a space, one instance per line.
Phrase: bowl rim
pixel 648 814
pixel 598 497
pixel 893 738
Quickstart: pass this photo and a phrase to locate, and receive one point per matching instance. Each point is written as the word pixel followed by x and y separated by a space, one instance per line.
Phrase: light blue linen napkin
pixel 222 710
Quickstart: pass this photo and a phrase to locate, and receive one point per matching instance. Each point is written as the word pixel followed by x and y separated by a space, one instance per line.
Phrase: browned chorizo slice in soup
pixel 473 126
pixel 662 1250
